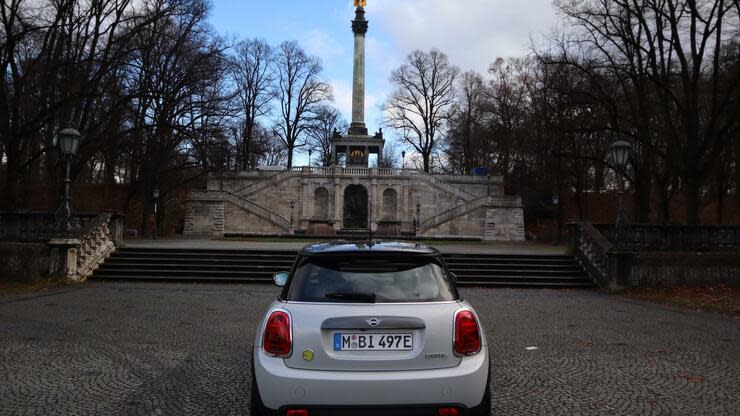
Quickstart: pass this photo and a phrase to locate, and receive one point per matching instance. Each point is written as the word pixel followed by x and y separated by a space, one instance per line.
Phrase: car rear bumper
pixel 281 386
pixel 409 410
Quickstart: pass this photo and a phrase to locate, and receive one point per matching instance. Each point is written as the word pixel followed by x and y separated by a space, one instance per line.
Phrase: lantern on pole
pixel 619 154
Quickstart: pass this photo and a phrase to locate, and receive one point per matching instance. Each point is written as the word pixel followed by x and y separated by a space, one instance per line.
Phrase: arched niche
pixel 321 203
pixel 390 205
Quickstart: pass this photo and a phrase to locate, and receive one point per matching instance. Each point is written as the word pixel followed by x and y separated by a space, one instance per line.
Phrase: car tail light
pixel 448 411
pixel 297 412
pixel 467 339
pixel 278 340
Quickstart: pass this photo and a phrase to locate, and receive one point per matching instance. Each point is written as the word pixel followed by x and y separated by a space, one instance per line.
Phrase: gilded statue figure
pixel 360 3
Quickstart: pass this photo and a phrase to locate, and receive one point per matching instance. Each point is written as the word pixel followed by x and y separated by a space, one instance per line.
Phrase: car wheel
pixel 256 407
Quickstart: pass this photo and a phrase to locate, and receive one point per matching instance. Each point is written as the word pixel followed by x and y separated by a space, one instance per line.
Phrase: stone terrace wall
pixel 690 269
pixel 274 191
pixel 24 262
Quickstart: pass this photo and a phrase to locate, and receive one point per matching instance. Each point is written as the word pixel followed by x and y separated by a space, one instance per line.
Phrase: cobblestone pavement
pixel 176 349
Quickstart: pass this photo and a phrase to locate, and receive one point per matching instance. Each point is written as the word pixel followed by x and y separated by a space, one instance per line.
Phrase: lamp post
pixel 309 156
pixel 556 207
pixel 403 159
pixel 155 194
pixel 68 142
pixel 619 153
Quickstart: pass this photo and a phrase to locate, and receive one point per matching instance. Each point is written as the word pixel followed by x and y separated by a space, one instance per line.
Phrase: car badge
pixel 308 355
pixel 374 321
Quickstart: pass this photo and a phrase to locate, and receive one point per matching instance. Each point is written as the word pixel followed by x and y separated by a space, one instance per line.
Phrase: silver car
pixel 369 328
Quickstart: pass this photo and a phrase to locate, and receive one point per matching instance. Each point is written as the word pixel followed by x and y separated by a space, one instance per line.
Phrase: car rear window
pixel 362 279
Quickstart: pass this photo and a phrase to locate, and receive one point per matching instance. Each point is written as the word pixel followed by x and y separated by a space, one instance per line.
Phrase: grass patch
pixel 720 299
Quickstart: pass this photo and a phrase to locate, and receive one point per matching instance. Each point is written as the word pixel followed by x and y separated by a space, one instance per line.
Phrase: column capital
pixel 360 24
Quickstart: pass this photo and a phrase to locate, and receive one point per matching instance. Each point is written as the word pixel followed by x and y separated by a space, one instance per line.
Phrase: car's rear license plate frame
pixel 360 342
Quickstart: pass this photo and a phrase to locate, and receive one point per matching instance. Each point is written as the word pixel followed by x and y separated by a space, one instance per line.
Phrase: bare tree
pixel 251 69
pixel 656 67
pixel 466 122
pixel 421 101
pixel 324 124
pixel 299 91
pixel 391 155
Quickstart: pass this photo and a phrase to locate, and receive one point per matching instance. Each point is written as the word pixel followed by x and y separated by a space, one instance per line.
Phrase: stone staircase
pixel 241 202
pixel 443 185
pixel 273 180
pixel 460 210
pixel 201 265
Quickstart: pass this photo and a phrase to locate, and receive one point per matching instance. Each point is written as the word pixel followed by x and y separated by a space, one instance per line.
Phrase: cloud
pixel 472 32
pixel 319 43
pixel 343 102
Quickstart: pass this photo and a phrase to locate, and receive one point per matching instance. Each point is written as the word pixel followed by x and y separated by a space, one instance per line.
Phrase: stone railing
pixel 96 243
pixel 460 210
pixel 35 226
pixel 266 183
pixel 76 257
pixel 259 210
pixel 591 249
pixel 648 237
pixel 445 186
pixel 357 171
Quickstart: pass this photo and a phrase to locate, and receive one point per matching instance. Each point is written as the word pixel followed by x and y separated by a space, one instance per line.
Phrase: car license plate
pixel 373 342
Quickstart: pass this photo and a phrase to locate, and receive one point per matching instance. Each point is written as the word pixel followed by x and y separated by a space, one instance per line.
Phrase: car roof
pixel 366 247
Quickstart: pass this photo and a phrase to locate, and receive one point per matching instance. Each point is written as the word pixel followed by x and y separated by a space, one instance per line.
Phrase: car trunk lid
pixel 408 336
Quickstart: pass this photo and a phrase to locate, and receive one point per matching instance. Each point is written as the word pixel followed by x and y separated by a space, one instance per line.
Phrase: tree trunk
pixel 721 186
pixel 664 209
pixel 426 158
pixel 691 190
pixel 643 185
pixel 737 172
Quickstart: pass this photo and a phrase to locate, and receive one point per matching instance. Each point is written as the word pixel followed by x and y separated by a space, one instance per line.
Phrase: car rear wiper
pixel 353 296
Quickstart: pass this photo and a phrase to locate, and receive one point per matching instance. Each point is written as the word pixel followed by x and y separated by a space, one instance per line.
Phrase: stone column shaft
pixel 359 28
pixel 358 81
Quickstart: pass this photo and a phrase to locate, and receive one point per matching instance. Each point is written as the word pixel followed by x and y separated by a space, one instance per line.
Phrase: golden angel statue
pixel 360 3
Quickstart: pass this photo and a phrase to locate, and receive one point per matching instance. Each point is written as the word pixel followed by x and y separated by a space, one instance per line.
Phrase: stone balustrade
pixel 75 257
pixel 592 249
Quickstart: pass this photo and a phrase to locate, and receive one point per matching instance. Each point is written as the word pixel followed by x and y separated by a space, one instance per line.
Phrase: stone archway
pixel 355 207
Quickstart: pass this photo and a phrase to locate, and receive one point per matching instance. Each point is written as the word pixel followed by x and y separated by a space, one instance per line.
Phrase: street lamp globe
pixel 619 152
pixel 555 199
pixel 69 141
pixel 156 193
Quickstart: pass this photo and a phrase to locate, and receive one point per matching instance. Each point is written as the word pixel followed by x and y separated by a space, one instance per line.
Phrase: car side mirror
pixel 453 277
pixel 280 279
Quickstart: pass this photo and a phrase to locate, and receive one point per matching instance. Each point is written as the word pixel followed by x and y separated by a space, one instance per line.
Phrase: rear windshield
pixel 357 279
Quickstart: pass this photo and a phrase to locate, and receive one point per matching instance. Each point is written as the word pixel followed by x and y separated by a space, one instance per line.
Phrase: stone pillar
pixel 359 28
pixel 619 270
pixel 218 219
pixel 63 259
pixel 337 201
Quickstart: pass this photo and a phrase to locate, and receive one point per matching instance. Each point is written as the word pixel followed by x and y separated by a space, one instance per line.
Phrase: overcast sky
pixel 472 32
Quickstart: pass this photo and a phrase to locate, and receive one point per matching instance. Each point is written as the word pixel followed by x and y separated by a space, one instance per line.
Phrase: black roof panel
pixel 359 247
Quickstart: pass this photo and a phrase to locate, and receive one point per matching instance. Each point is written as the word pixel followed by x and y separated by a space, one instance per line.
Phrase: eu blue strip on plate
pixel 337 342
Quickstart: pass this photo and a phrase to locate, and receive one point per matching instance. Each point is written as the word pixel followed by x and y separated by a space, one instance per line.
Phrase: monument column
pixel 359 28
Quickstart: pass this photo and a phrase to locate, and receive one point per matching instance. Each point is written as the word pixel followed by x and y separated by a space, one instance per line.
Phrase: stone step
pixel 209 265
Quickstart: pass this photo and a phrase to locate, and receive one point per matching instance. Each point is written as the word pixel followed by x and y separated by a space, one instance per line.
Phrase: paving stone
pixel 176 349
